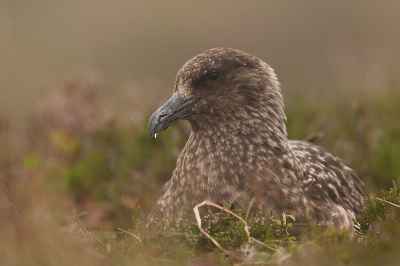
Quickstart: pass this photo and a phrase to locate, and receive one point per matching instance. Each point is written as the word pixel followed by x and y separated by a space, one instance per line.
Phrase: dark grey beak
pixel 175 109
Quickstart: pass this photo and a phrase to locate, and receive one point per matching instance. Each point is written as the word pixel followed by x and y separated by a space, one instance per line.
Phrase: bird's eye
pixel 214 75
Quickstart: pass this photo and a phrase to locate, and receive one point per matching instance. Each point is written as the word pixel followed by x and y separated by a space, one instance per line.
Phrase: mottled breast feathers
pixel 238 151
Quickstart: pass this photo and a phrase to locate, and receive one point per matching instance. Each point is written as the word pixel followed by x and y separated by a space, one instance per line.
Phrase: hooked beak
pixel 175 109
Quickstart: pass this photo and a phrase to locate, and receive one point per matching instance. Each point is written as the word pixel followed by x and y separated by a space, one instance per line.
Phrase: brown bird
pixel 238 151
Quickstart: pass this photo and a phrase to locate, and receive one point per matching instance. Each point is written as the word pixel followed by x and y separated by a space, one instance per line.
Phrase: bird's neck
pixel 261 127
pixel 248 145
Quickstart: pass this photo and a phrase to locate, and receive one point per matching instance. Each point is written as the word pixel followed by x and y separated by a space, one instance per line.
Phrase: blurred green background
pixel 314 46
pixel 79 80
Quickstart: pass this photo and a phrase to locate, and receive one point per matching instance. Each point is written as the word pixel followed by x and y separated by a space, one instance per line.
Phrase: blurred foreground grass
pixel 81 173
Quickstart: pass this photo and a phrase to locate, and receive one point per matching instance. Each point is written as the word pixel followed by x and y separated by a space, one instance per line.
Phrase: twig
pixel 246 228
pixel 126 232
pixel 248 209
pixel 198 219
pixel 262 244
pixel 388 202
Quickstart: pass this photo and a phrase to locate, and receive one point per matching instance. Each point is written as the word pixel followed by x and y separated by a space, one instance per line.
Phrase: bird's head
pixel 220 82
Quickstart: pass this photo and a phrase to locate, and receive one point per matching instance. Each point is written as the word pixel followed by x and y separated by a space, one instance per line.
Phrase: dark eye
pixel 213 75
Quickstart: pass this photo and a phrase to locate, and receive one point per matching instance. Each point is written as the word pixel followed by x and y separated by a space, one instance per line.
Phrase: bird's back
pixel 333 187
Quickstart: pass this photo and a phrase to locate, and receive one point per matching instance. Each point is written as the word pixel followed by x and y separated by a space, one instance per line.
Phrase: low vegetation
pixel 76 190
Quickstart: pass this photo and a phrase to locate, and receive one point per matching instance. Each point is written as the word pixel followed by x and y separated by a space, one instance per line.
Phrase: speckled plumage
pixel 238 149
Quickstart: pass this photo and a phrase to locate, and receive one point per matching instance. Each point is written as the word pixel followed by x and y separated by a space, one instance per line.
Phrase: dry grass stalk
pixel 126 232
pixel 198 219
pixel 388 202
